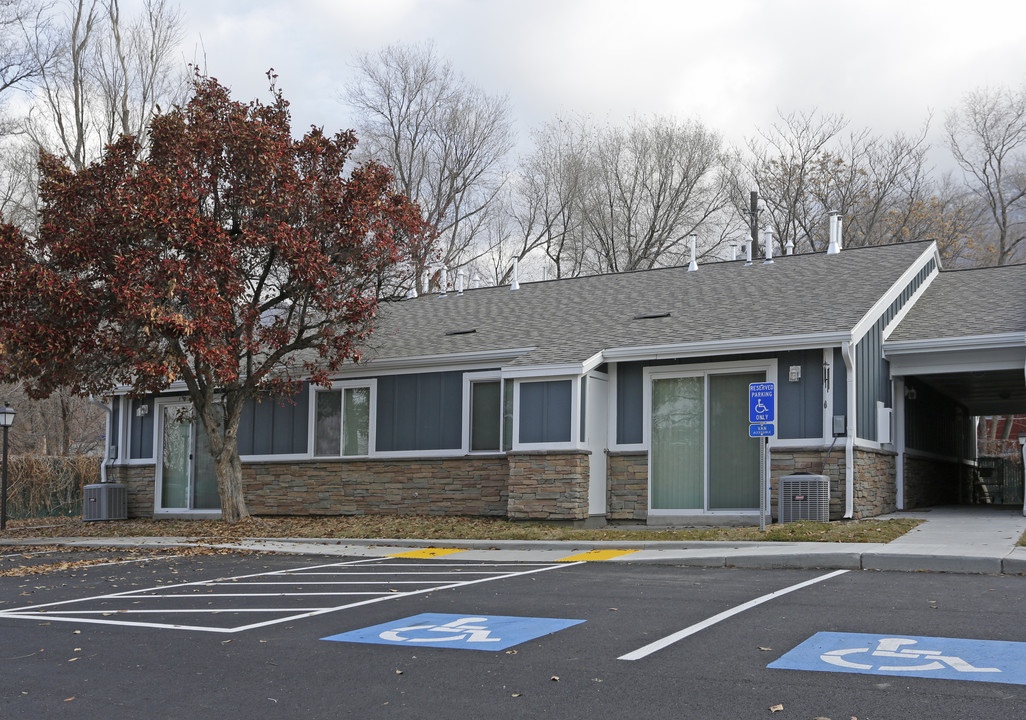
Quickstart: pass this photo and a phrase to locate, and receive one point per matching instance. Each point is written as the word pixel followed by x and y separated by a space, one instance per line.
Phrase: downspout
pixel 848 353
pixel 106 442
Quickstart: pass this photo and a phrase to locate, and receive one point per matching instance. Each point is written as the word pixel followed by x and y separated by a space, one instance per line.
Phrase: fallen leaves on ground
pixel 119 555
pixel 436 527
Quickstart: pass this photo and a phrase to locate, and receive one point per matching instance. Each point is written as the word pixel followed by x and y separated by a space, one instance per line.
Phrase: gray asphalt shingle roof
pixel 964 303
pixel 568 321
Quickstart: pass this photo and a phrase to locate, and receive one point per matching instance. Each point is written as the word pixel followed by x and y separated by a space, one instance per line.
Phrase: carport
pixel 959 354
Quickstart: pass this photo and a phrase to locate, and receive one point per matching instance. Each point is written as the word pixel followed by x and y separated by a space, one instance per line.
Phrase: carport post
pixel 1022 443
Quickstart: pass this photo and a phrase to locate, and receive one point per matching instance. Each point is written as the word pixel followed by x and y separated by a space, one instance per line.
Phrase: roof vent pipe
pixel 833 248
pixel 767 242
pixel 475 281
pixel 839 222
pixel 442 281
pixel 748 253
pixel 733 251
pixel 459 282
pixel 694 244
pixel 789 247
pixel 515 285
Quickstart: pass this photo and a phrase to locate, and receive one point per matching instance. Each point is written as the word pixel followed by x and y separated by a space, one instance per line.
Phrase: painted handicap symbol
pixel 487 633
pixel 893 648
pixel 460 629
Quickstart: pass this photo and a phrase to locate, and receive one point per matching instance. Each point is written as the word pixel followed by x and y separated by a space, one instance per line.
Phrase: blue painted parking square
pixel 910 655
pixel 467 632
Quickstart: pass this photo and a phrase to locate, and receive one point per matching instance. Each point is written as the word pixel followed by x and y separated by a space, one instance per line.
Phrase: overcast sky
pixel 731 64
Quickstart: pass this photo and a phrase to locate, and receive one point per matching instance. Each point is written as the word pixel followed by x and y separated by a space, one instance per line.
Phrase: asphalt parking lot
pixel 258 635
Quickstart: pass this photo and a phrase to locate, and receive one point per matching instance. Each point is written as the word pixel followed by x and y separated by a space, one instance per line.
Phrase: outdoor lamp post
pixel 6 418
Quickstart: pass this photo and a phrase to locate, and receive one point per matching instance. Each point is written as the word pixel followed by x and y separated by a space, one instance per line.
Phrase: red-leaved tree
pixel 232 258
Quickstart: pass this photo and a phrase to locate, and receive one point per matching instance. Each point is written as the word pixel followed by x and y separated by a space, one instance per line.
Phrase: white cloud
pixel 732 63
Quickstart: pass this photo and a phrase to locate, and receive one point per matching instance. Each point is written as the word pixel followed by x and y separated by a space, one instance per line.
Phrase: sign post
pixel 761 416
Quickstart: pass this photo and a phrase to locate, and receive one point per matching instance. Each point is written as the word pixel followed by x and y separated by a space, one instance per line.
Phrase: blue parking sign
pixel 760 402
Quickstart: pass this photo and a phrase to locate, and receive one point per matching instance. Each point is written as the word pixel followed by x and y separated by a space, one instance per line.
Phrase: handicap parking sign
pixel 760 402
pixel 467 632
pixel 910 655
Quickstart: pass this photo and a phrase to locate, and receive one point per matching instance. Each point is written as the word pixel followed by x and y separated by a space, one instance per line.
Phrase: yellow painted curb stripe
pixel 596 555
pixel 428 553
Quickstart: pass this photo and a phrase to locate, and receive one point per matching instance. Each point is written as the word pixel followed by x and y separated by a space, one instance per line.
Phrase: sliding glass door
pixel 700 455
pixel 188 480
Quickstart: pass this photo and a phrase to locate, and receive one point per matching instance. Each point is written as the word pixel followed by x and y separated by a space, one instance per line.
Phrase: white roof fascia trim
pixel 370 368
pixel 544 370
pixel 469 358
pixel 726 347
pixel 964 342
pixel 880 306
pixel 896 320
pixel 593 362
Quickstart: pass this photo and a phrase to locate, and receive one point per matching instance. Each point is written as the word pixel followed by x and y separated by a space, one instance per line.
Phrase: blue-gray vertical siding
pixel 872 371
pixel 275 426
pixel 140 429
pixel 420 412
pixel 629 411
pixel 840 384
pixel 800 404
pixel 114 438
pixel 545 409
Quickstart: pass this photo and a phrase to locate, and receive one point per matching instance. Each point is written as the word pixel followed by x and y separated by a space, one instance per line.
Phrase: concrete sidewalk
pixel 978 539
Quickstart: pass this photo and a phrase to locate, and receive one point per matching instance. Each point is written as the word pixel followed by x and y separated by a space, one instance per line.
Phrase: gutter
pixel 848 353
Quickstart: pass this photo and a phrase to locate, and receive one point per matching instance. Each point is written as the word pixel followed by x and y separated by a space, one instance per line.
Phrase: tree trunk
pixel 222 428
pixel 229 484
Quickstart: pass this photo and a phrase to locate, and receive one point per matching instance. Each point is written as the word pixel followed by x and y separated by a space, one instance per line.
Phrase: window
pixel 342 421
pixel 485 416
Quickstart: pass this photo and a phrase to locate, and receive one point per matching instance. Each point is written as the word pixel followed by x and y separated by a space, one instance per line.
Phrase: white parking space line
pixel 697 627
pixel 298 578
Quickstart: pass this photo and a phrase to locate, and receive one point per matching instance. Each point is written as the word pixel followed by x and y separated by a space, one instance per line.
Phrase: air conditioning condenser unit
pixel 804 497
pixel 105 501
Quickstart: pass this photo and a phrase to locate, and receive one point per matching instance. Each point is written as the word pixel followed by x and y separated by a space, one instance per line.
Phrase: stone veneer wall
pixel 473 485
pixel 791 461
pixel 548 485
pixel 876 491
pixel 930 481
pixel 139 483
pixel 627 478
pixel 875 488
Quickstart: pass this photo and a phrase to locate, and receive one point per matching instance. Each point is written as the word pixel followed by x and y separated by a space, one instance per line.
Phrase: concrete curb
pixel 749 555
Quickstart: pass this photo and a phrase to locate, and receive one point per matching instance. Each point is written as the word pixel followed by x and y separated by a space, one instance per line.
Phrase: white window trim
pixel 768 365
pixel 613 409
pixel 575 420
pixel 158 471
pixel 340 385
pixel 125 435
pixel 469 378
